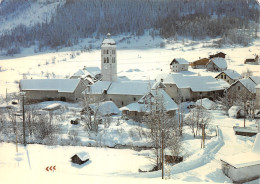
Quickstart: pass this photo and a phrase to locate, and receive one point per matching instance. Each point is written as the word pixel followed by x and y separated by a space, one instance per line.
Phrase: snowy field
pixel 138 59
pixel 121 165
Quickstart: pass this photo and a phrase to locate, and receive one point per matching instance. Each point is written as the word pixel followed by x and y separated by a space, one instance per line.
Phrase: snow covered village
pixel 127 107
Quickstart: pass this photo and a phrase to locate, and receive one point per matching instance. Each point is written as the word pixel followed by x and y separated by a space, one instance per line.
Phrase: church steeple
pixel 108 59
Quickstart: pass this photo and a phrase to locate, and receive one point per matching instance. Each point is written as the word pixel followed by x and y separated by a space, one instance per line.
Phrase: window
pixel 221 76
pixel 107 59
pixel 134 99
pixel 122 103
pixel 107 51
pixel 225 77
pixel 110 99
pixel 238 88
pixel 113 51
pixel 104 52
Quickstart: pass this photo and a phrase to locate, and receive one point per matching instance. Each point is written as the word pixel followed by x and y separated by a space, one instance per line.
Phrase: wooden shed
pixel 80 158
pixel 220 54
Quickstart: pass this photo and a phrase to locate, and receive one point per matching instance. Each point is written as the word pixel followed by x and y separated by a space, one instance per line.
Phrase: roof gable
pixel 180 61
pixel 232 74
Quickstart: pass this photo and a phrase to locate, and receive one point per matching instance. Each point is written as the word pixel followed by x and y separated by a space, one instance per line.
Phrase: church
pixel 110 87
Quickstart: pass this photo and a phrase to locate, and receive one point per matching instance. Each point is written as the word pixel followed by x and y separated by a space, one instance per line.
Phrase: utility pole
pixel 24 141
pixel 162 152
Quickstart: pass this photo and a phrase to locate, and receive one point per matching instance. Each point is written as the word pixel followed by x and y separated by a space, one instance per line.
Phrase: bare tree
pixel 196 118
pixel 162 127
pixel 247 73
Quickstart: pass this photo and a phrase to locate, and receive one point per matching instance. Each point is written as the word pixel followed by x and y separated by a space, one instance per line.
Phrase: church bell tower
pixel 108 59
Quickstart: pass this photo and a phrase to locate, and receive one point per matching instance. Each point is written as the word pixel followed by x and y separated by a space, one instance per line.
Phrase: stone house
pixel 230 76
pixel 179 64
pixel 252 61
pixel 243 88
pixel 191 88
pixel 217 64
pixel 120 92
pixel 199 64
pixel 52 89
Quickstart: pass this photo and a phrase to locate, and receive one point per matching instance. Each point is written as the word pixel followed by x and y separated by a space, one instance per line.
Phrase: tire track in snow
pixel 201 158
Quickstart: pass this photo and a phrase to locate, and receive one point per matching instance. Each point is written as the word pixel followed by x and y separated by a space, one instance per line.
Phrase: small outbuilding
pixel 243 167
pixel 236 112
pixel 252 61
pixel 80 158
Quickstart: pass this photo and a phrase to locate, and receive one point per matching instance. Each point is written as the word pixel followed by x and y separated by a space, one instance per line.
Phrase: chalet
pixel 230 76
pixel 191 88
pixel 243 167
pixel 179 64
pixel 200 64
pixel 137 110
pixel 80 158
pixel 217 64
pixel 52 89
pixel 252 61
pixel 220 54
pixel 257 97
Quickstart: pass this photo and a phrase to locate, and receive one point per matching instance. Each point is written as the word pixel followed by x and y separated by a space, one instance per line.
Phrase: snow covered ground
pixel 121 165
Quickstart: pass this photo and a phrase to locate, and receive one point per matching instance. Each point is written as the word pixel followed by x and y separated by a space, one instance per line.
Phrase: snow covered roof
pixel 108 42
pixel 243 160
pixel 83 155
pixel 134 107
pixel 131 87
pixel 232 112
pixel 87 71
pixel 248 158
pixel 196 83
pixel 232 74
pixel 180 61
pixel 255 79
pixel 256 147
pixel 158 84
pixel 249 84
pixel 52 107
pixel 220 62
pixel 105 108
pixel 98 87
pixel 140 106
pixel 60 85
pixel 205 103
